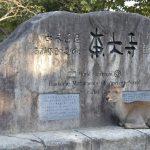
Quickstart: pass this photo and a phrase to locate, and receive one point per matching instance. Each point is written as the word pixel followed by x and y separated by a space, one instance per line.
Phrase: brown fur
pixel 131 115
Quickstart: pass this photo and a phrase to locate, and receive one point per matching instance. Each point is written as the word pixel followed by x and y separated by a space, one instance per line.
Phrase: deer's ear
pixel 123 84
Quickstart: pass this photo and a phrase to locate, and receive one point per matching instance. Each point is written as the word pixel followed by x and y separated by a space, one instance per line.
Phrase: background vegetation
pixel 14 12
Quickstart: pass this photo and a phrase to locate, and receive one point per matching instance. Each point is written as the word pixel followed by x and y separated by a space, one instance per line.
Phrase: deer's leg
pixel 135 121
pixel 135 126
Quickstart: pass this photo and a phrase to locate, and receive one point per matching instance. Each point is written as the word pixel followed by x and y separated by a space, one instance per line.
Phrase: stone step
pixel 104 138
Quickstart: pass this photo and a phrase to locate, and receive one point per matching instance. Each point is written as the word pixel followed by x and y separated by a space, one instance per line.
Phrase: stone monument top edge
pixel 30 25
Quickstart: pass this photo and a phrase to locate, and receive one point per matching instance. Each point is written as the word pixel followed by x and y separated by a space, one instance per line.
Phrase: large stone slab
pixel 67 53
pixel 116 138
pixel 104 138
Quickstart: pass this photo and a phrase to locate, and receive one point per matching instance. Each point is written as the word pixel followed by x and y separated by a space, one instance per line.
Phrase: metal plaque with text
pixel 132 96
pixel 58 106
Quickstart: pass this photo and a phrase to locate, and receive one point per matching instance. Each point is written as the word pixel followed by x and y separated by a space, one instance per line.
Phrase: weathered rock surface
pixel 50 53
pixel 104 138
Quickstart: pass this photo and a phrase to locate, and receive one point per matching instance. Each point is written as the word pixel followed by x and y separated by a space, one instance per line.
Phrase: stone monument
pixel 53 68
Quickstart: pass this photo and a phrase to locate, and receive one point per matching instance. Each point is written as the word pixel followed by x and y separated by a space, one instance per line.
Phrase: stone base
pixel 104 138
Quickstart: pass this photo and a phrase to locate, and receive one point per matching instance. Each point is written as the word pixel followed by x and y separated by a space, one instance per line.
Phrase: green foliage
pixel 14 12
pixel 142 7
pixel 84 6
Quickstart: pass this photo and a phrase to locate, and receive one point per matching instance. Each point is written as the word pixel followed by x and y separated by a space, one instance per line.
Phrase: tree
pixel 83 6
pixel 141 7
pixel 14 12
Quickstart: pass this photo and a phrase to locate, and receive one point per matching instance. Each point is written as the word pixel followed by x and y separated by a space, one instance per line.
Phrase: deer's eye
pixel 116 92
